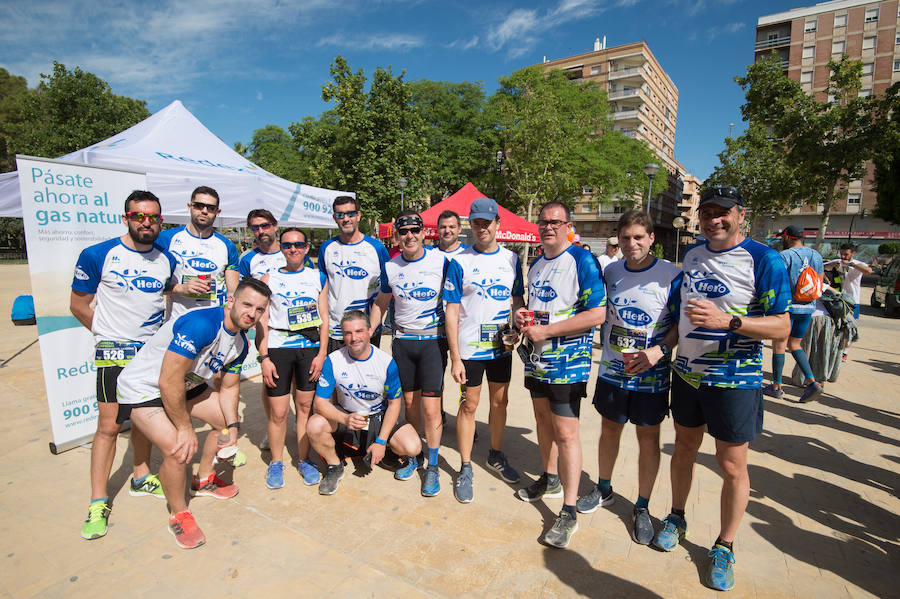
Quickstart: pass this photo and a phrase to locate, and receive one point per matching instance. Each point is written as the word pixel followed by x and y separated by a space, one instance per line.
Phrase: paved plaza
pixel 822 521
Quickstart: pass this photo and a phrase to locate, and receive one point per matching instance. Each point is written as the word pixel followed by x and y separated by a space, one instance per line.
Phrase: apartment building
pixel 689 207
pixel 806 39
pixel 644 100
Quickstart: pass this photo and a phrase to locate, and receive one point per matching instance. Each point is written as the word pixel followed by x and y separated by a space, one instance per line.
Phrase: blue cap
pixel 485 208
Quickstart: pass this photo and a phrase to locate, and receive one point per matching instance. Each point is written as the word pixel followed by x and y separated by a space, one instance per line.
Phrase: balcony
pixel 625 93
pixel 773 43
pixel 626 115
pixel 626 72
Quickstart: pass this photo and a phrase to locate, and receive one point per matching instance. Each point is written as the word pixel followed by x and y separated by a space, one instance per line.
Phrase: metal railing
pixel 778 41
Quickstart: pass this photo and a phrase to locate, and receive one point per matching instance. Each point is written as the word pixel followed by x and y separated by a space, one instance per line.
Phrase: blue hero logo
pixel 711 288
pixel 634 316
pixel 366 395
pixel 545 293
pixel 355 272
pixel 499 292
pixel 147 284
pixel 423 294
pixel 202 264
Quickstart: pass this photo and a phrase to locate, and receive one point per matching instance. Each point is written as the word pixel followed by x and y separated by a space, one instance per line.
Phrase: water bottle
pixel 225 451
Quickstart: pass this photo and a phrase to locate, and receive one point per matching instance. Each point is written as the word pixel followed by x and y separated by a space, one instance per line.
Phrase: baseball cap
pixel 725 197
pixel 613 241
pixel 485 208
pixel 792 231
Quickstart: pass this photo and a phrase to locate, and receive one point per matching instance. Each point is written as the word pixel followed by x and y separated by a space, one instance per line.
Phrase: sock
pixel 726 544
pixel 433 456
pixel 642 502
pixel 777 368
pixel 103 499
pixel 803 363
pixel 552 479
pixel 680 514
pixel 605 487
pixel 493 452
pixel 466 465
pixel 570 509
pixel 138 481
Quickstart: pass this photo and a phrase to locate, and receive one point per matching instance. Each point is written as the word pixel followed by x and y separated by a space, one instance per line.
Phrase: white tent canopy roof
pixel 179 154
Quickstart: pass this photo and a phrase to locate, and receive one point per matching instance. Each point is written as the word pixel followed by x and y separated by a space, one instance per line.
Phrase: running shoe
pixel 539 490
pixel 811 392
pixel 264 444
pixel 409 470
pixel 562 530
pixel 150 486
pixel 94 525
pixel 497 461
pixel 432 484
pixel 720 575
pixel 212 486
pixel 333 475
pixel 309 472
pixel 275 475
pixel 588 504
pixel 185 530
pixel 773 391
pixel 463 491
pixel 642 531
pixel 674 529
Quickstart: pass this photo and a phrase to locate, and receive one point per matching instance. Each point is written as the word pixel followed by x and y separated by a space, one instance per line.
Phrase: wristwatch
pixel 735 323
pixel 666 350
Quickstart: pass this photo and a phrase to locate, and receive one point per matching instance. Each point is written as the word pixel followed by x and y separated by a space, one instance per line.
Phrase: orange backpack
pixel 809 285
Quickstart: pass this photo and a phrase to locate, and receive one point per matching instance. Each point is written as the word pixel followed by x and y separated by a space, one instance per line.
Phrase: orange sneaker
pixel 185 530
pixel 213 486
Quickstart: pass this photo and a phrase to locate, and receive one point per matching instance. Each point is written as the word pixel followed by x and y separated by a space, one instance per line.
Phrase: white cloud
pixel 516 31
pixel 259 95
pixel 386 41
pixel 464 44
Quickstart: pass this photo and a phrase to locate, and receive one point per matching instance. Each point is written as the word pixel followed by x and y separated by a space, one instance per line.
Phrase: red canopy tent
pixel 513 228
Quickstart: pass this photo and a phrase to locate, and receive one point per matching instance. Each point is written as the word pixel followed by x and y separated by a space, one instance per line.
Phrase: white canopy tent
pixel 179 154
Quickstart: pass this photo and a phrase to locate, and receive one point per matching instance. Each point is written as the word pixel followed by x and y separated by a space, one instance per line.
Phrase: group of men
pixel 467 307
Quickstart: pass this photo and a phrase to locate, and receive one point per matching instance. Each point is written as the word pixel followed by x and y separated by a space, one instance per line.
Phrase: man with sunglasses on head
pixel 207 261
pixel 414 279
pixel 566 300
pixel 354 264
pixel 482 288
pixel 734 294
pixel 127 276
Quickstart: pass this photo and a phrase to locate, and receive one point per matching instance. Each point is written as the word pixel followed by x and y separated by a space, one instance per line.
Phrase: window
pixel 871 15
pixel 896 65
pixel 869 42
pixel 596 70
pixel 868 68
pixel 840 21
pixel 810 26
pixel 587 189
pixel 837 47
pixel 865 93
pixel 809 51
pixel 806 77
pixel 897 39
pixel 854 199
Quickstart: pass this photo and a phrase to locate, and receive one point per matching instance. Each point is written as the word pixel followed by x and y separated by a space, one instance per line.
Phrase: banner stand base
pixel 82 441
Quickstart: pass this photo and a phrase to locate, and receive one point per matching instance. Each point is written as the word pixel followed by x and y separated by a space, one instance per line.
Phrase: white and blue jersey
pixel 795 260
pixel 449 254
pixel 354 273
pixel 639 310
pixel 362 385
pixel 294 307
pixel 198 256
pixel 254 263
pixel 128 286
pixel 199 335
pixel 483 283
pixel 554 295
pixel 749 279
pixel 416 286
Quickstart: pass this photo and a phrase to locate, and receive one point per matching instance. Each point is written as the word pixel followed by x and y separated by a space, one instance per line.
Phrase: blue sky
pixel 240 65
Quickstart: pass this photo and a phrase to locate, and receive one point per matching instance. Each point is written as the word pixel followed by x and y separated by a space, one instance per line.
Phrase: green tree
pixel 545 124
pixel 887 157
pixel 13 90
pixel 70 110
pixel 273 149
pixel 827 143
pixel 615 165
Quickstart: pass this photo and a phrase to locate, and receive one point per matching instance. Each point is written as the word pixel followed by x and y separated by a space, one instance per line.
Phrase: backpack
pixel 837 307
pixel 808 287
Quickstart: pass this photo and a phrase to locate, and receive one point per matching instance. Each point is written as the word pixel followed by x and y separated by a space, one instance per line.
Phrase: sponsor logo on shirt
pixel 366 395
pixel 182 341
pixel 633 316
pixel 147 284
pixel 202 264
pixel 711 288
pixel 542 291
pixel 423 294
pixel 80 274
pixel 448 286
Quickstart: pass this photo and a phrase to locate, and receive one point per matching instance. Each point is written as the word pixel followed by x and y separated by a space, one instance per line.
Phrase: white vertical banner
pixel 66 208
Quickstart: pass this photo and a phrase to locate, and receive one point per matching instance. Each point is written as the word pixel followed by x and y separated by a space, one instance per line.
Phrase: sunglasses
pixel 139 217
pixel 553 224
pixel 261 227
pixel 201 206
pixel 300 245
pixel 722 192
pixel 405 232
pixel 348 214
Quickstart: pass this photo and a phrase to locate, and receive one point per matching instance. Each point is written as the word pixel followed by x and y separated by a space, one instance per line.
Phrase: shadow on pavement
pixel 575 571
pixel 807 415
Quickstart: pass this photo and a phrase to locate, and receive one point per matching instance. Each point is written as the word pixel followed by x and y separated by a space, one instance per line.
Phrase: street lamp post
pixel 402 183
pixel 678 222
pixel 650 170
pixel 862 214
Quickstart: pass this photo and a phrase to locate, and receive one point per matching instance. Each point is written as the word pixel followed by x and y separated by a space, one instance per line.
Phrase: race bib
pixel 115 353
pixel 207 296
pixel 622 339
pixel 490 336
pixel 303 317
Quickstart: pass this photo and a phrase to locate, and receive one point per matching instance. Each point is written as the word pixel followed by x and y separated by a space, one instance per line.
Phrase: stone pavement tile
pixel 814 586
pixel 857 579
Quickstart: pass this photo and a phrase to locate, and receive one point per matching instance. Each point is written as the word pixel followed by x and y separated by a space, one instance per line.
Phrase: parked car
pixel 887 289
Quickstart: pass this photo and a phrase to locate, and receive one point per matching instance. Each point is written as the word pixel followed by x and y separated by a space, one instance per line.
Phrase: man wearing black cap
pixel 797 258
pixel 734 294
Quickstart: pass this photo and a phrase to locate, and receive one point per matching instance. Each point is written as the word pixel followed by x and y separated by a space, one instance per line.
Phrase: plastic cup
pixel 628 357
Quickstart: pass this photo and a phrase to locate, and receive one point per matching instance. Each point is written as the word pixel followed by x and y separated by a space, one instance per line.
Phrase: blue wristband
pixel 380 441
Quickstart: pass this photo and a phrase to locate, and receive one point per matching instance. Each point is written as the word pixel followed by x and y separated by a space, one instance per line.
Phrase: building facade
pixel 806 39
pixel 644 101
